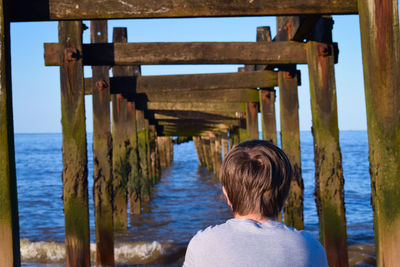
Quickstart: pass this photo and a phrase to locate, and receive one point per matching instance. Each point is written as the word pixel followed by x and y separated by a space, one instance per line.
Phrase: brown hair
pixel 256 175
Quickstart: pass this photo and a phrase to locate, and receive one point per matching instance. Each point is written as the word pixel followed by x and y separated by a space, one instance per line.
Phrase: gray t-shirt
pixel 243 242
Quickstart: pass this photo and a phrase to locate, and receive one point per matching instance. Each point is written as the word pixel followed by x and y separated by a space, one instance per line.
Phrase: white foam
pixel 52 252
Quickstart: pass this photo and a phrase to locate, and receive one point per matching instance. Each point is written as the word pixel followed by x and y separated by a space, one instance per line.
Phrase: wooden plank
pixel 41 10
pixel 151 84
pixel 202 107
pixel 380 42
pixel 210 96
pixel 186 53
pixel 176 115
pixel 329 192
pixel 238 80
pixel 102 150
pixel 74 174
pixel 9 220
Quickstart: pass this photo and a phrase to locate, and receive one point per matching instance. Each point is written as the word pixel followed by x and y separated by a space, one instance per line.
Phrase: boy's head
pixel 256 176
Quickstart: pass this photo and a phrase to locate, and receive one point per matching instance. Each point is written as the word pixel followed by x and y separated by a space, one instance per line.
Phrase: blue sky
pixel 36 89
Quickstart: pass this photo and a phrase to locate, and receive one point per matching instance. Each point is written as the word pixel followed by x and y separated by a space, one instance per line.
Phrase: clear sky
pixel 36 88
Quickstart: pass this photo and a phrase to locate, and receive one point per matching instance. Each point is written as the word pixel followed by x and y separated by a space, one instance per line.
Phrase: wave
pixel 43 252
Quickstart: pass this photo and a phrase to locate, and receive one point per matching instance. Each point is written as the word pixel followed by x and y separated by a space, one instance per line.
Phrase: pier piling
pixel 290 136
pixel 9 221
pixel 329 181
pixel 380 42
pixel 75 171
pixel 102 153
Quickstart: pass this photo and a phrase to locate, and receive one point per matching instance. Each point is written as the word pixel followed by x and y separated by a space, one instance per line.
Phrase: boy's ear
pixel 226 196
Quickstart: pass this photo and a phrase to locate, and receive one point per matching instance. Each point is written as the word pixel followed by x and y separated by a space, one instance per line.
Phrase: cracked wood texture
pixel 185 53
pixel 74 175
pixel 102 154
pixel 9 223
pixel 380 41
pixel 40 10
pixel 329 181
pixel 290 133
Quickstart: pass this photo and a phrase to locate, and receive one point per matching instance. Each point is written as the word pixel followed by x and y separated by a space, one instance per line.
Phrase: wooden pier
pixel 216 111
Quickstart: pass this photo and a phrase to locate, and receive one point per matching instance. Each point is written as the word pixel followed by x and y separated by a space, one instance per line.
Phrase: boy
pixel 255 178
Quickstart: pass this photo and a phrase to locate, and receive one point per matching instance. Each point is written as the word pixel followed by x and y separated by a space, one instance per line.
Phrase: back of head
pixel 256 175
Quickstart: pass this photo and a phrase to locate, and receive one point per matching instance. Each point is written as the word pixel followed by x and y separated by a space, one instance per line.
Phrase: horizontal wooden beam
pixel 111 54
pixel 201 107
pixel 196 123
pixel 151 84
pixel 197 115
pixel 42 10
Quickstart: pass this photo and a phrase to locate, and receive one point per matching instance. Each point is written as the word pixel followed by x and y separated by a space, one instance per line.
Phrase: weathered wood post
pixel 162 152
pixel 74 175
pixel 124 153
pixel 290 138
pixel 154 154
pixel 217 154
pixel 380 41
pixel 9 222
pixel 102 152
pixel 329 195
pixel 224 143
pixel 267 95
pixel 170 148
pixel 199 150
pixel 249 121
pixel 205 140
pixel 142 149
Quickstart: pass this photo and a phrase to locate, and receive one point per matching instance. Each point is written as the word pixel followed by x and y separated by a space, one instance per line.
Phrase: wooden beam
pixel 380 42
pixel 42 10
pixel 329 180
pixel 74 175
pixel 176 115
pixel 102 149
pixel 9 220
pixel 295 28
pixel 202 107
pixel 185 53
pixel 144 84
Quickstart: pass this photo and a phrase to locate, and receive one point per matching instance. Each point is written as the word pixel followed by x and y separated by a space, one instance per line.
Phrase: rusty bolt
pixel 323 50
pixel 71 54
pixel 101 85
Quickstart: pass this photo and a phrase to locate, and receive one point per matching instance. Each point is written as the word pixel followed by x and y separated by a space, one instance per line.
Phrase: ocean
pixel 187 199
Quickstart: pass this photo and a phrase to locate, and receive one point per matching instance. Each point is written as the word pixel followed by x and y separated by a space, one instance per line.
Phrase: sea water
pixel 187 199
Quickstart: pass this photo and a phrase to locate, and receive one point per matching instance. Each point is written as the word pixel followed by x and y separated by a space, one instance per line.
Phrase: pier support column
pixel 142 134
pixel 154 154
pixel 205 140
pixel 125 168
pixel 380 41
pixel 102 152
pixel 162 151
pixel 217 155
pixel 290 138
pixel 329 195
pixel 267 96
pixel 9 222
pixel 199 150
pixel 75 171
pixel 224 144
